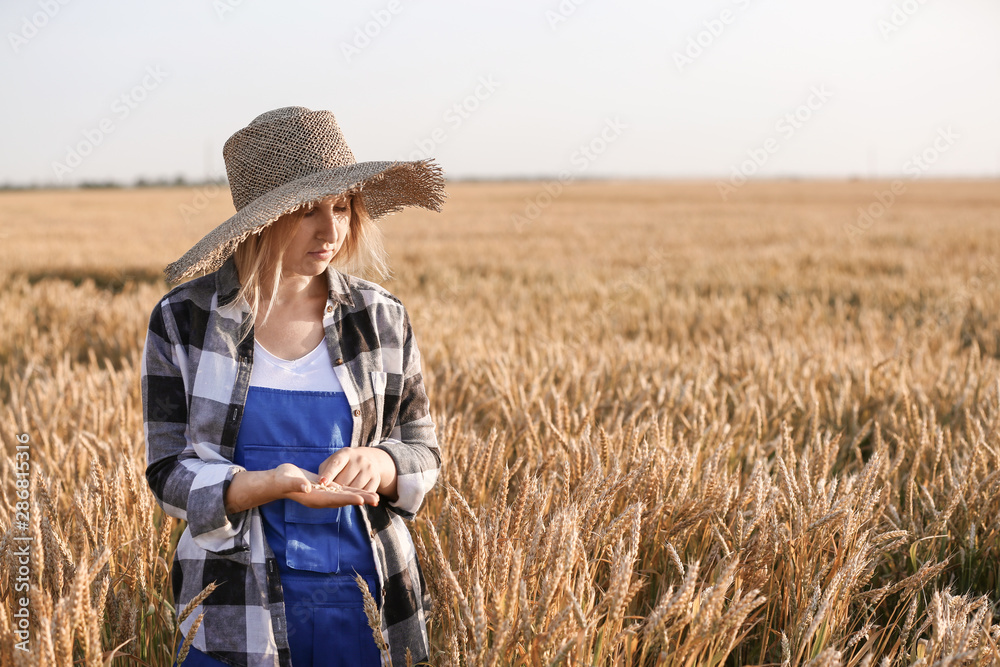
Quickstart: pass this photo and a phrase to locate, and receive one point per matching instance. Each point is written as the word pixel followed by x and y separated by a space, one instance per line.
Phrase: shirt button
pixel 329 309
pixel 357 412
pixel 372 533
pixel 338 362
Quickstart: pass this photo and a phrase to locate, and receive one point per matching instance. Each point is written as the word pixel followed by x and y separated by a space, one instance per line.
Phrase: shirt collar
pixel 227 284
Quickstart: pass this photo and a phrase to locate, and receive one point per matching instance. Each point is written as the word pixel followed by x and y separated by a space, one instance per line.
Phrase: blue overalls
pixel 318 550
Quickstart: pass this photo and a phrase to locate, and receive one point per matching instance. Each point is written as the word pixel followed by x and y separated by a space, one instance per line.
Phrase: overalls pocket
pixel 311 534
pixel 312 537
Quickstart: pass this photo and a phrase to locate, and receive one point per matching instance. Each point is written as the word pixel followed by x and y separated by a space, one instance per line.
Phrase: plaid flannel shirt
pixel 195 377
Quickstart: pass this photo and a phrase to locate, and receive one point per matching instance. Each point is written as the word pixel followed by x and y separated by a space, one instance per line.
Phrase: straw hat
pixel 293 157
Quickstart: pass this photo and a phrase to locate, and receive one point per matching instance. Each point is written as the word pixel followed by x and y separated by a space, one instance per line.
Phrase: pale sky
pixel 110 89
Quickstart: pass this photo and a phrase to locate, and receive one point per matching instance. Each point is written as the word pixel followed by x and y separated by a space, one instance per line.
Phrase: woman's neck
pixel 293 290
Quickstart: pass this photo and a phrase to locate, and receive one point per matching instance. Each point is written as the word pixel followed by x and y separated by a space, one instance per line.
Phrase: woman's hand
pixel 304 487
pixel 367 468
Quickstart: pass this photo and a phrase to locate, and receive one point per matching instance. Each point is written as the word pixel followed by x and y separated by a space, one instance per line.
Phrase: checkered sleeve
pixel 413 444
pixel 189 482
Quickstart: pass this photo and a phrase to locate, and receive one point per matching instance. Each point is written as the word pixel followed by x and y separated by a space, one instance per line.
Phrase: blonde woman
pixel 285 413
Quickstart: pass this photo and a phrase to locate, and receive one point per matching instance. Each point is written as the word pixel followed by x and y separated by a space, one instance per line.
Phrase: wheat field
pixel 675 430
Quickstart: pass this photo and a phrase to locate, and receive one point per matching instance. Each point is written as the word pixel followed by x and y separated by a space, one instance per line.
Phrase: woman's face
pixel 320 236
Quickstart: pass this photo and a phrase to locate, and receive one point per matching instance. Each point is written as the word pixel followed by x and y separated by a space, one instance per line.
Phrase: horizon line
pixel 144 183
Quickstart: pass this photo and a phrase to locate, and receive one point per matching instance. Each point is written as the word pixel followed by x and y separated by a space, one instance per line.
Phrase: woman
pixel 285 414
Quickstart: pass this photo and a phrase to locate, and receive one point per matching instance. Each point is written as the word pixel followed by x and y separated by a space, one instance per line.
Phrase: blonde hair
pixel 259 256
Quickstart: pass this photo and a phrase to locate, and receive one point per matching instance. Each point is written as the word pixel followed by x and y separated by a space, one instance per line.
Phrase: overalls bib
pixel 318 550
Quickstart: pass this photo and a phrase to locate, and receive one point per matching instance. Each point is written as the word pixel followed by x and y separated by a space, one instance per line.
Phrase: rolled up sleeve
pixel 188 480
pixel 413 447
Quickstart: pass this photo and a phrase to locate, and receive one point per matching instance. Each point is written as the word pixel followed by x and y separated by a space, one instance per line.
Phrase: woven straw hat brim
pixel 385 187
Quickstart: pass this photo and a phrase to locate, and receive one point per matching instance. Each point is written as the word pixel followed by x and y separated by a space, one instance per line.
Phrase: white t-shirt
pixel 313 372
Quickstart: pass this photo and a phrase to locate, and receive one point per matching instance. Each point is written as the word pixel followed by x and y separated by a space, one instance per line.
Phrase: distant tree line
pixel 181 182
pixel 139 182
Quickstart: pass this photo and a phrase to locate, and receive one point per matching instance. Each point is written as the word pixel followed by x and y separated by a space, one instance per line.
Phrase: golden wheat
pixel 675 431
